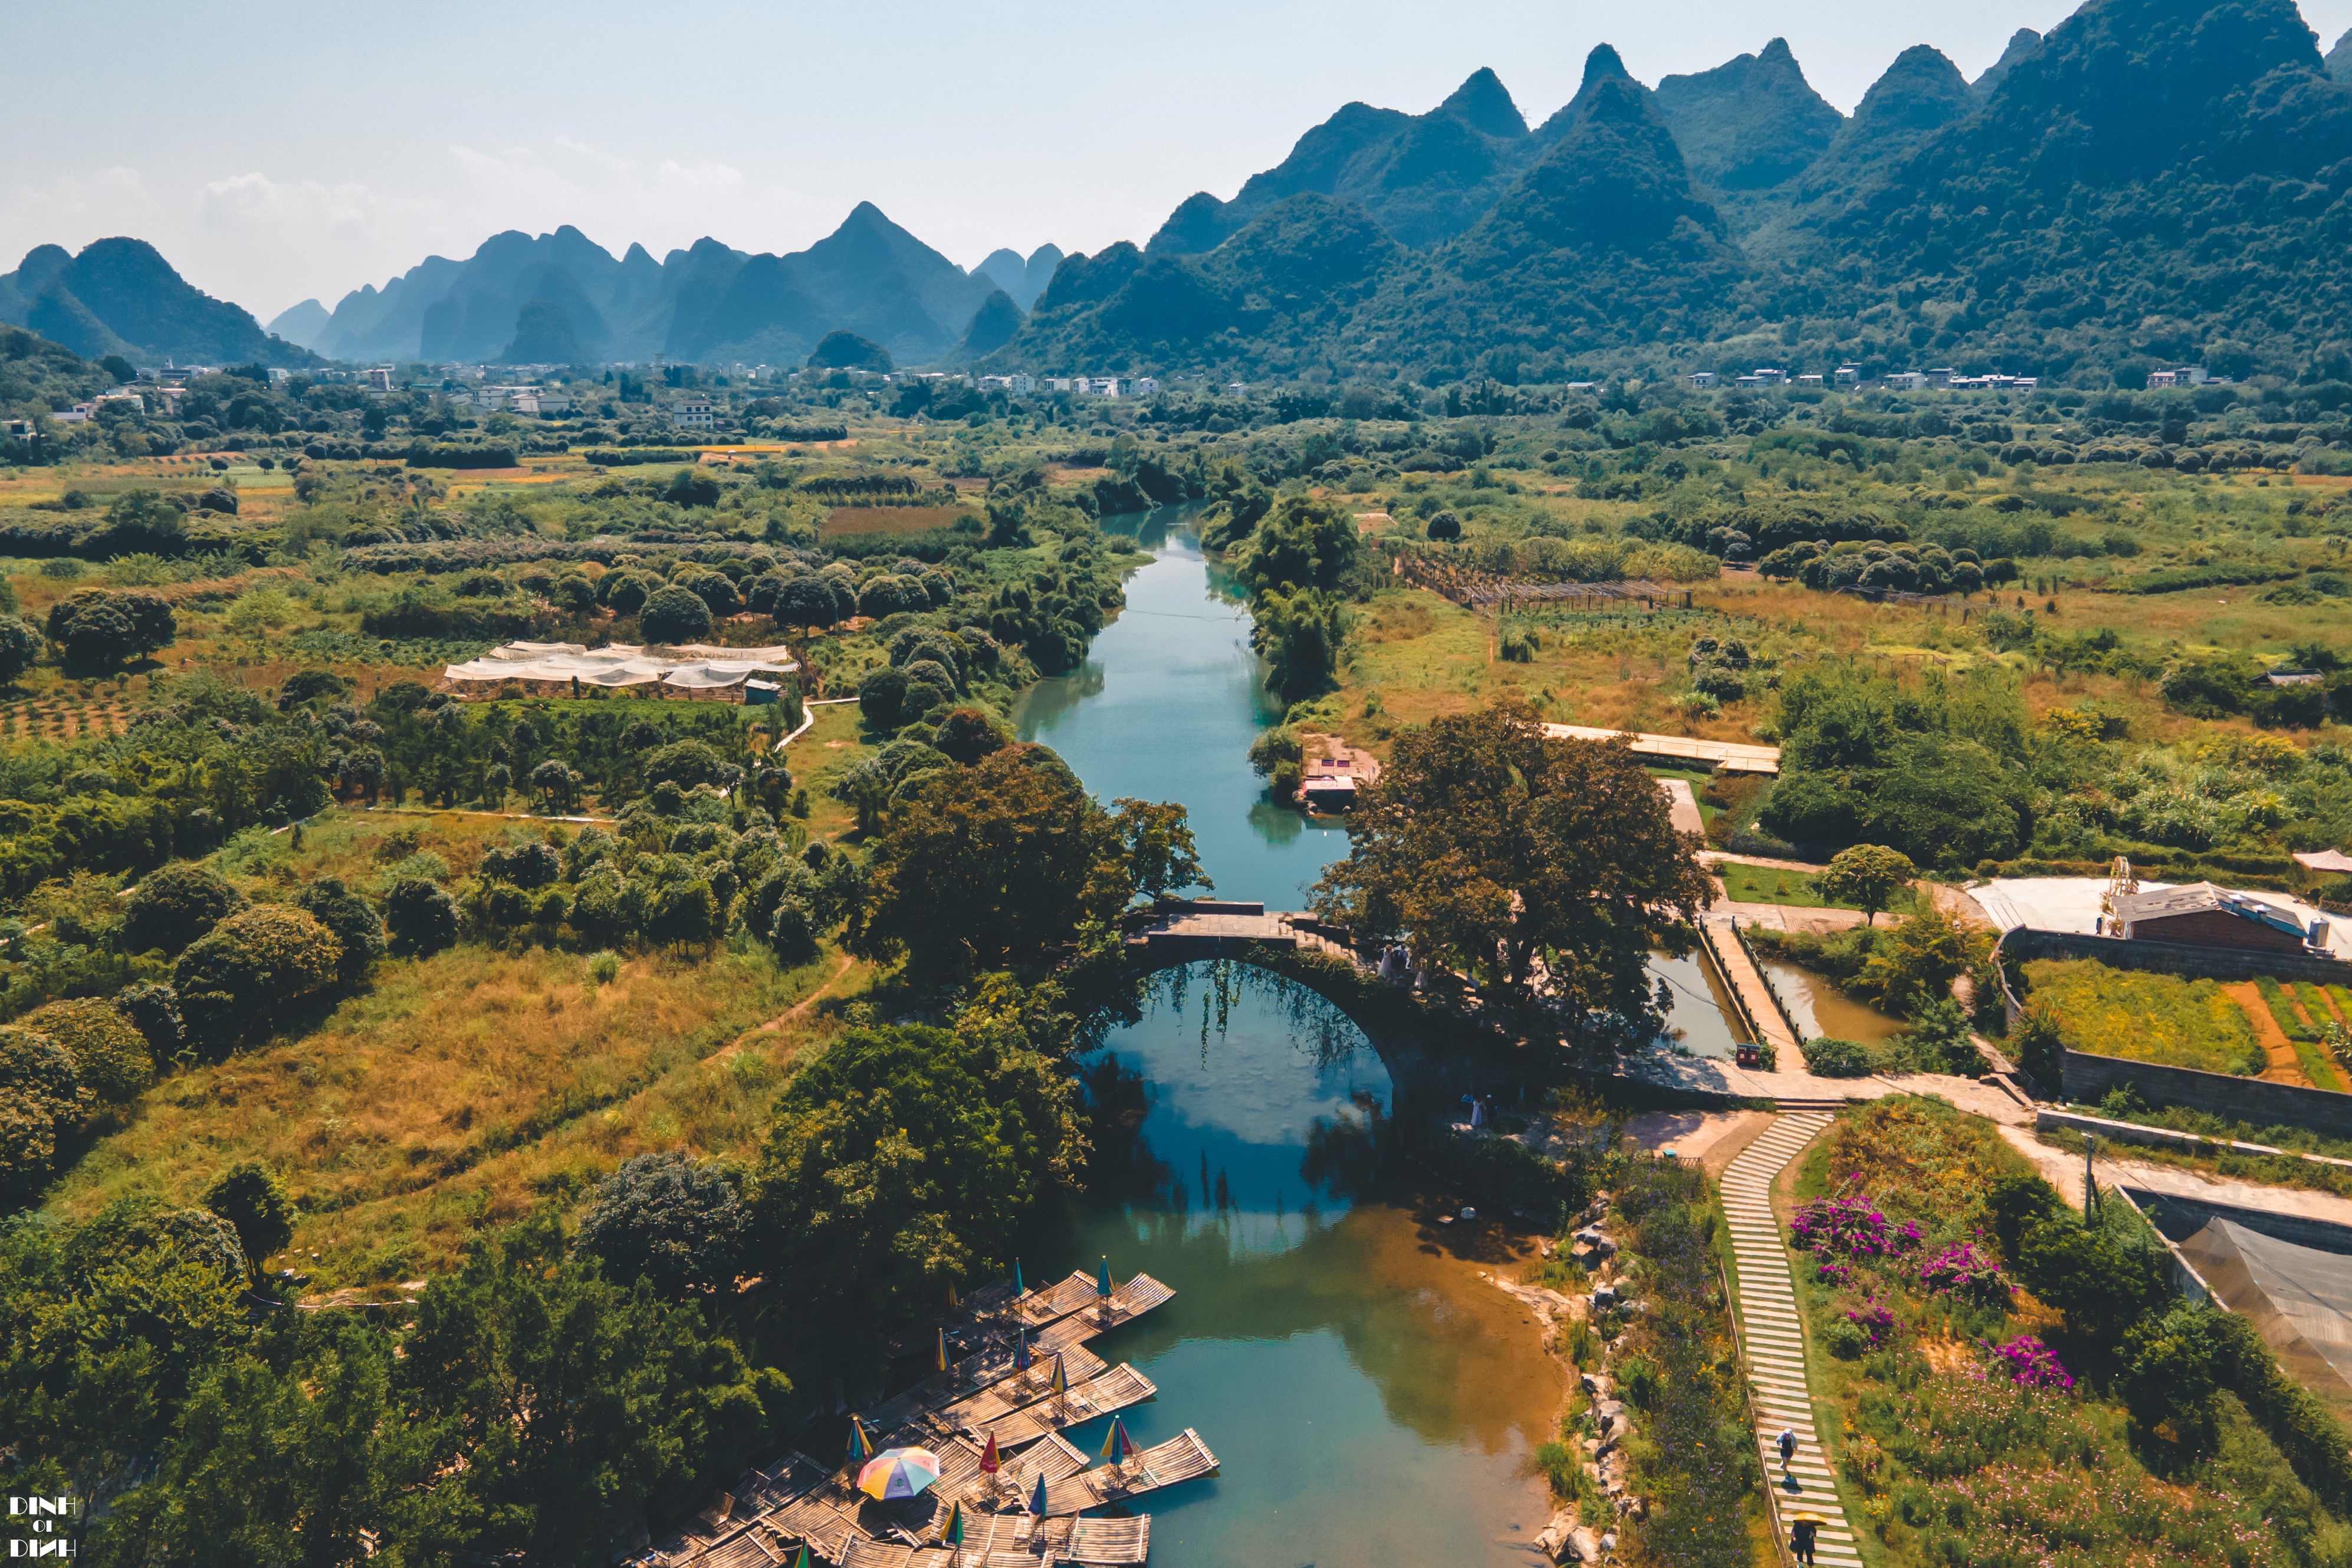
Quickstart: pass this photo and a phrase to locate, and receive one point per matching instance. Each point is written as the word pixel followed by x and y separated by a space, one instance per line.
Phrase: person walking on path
pixel 1800 1539
pixel 1788 1448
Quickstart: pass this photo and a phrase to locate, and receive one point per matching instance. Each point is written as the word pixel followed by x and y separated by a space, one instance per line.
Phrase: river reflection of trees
pixel 1319 1029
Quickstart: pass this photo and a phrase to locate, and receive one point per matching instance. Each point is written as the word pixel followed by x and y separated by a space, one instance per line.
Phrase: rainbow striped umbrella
pixel 861 1447
pixel 1118 1446
pixel 899 1472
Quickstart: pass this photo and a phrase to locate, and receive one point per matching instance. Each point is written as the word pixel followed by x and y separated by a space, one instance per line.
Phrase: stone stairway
pixel 1775 1338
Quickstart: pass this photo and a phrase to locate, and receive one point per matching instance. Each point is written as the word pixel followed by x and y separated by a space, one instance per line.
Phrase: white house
pixel 1849 375
pixel 379 380
pixel 1147 386
pixel 1702 379
pixel 1907 380
pixel 541 403
pixel 1941 376
pixel 693 412
pixel 1812 379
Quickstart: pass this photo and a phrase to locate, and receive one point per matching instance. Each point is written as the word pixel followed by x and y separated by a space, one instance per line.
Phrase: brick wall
pixel 2213 928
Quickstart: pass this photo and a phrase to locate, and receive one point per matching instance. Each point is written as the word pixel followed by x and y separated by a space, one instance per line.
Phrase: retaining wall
pixel 2086 1078
pixel 2198 963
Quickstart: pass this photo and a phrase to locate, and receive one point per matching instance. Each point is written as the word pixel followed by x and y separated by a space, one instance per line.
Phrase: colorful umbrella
pixel 1102 1279
pixel 861 1447
pixel 1060 1382
pixel 989 1463
pixel 940 1360
pixel 1037 1497
pixel 1021 1351
pixel 1118 1447
pixel 953 1533
pixel 802 1559
pixel 1017 1289
pixel 899 1472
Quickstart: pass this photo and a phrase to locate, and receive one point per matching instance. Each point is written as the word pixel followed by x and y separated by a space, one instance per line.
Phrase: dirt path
pixel 2284 1068
pixel 795 1011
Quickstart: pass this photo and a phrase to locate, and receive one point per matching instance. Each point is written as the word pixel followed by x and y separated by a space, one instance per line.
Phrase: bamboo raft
pixel 1182 1457
pixel 925 1407
pixel 1075 1298
pixel 982 1306
pixel 1115 1390
pixel 1016 1540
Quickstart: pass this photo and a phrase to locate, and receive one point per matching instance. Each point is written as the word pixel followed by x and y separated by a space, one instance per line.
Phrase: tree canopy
pixel 1548 867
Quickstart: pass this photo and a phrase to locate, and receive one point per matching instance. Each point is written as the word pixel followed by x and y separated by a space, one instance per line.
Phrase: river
pixel 1369 1397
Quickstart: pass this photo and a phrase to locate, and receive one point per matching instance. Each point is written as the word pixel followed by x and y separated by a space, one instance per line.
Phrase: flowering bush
pixel 1839 1228
pixel 1967 1275
pixel 2026 1360
pixel 1876 1322
pixel 1831 1273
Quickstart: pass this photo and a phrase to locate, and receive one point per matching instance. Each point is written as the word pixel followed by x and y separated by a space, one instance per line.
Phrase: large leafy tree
pixel 676 1220
pixel 571 1401
pixel 1547 866
pixel 232 982
pixel 906 1158
pixel 993 864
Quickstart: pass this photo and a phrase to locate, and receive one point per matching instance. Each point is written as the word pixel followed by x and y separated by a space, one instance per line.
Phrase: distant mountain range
pixel 561 298
pixel 120 297
pixel 2155 181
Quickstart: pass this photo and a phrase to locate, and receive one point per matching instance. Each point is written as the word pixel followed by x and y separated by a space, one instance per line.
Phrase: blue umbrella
pixel 1037 1497
pixel 1021 1351
pixel 1102 1279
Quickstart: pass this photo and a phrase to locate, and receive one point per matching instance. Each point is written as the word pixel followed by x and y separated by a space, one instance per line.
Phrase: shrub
pixel 174 905
pixel 2026 1360
pixel 673 614
pixel 1844 1338
pixel 233 982
pixel 358 930
pixel 668 1219
pixel 110 1058
pixel 688 764
pixel 1967 1275
pixel 604 968
pixel 251 1197
pixel 39 1096
pixel 154 1011
pixel 1829 1057
pixel 421 917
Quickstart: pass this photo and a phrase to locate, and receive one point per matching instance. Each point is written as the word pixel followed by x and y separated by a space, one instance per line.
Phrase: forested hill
pixel 120 297
pixel 2155 181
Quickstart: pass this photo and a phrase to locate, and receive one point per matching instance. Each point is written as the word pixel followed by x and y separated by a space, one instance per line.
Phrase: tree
pixel 20 647
pixel 1915 962
pixel 688 764
pixel 691 487
pixel 880 696
pixel 558 785
pixel 1161 857
pixel 1444 526
pixel 421 917
pixel 154 1011
pixel 684 915
pixel 254 1201
pixel 110 1059
pixel 1868 876
pixel 673 614
pixel 40 1095
pixel 675 1220
pixel 1300 635
pixel 176 904
pixel 233 982
pixel 903 1159
pixel 358 930
pixel 562 1400
pixel 806 602
pixel 967 735
pixel 533 863
pixel 985 866
pixel 100 629
pixel 715 589
pixel 1499 849
pixel 1299 544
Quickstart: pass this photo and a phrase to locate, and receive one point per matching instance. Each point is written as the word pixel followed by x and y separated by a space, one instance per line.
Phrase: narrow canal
pixel 1369 1397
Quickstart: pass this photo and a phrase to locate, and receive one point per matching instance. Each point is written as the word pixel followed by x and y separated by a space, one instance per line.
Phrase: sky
pixel 277 151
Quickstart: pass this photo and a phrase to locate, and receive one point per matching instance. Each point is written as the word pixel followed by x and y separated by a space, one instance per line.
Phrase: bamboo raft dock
pixel 800 1500
pixel 1182 1457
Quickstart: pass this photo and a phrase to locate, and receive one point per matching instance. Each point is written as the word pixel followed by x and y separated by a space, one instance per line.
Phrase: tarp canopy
pixel 621 664
pixel 2298 1297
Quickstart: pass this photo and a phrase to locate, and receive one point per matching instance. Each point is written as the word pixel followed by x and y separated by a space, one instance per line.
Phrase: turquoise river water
pixel 1369 1398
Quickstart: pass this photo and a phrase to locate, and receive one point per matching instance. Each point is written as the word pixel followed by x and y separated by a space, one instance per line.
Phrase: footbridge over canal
pixel 1209 930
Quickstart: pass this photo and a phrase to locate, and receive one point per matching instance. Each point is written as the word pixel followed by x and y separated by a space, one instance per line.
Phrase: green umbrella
pixel 1102 1279
pixel 1037 1497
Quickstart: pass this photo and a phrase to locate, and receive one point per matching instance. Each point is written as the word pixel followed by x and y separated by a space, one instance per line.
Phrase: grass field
pixel 845 520
pixel 461 1089
pixel 2143 1016
pixel 1763 884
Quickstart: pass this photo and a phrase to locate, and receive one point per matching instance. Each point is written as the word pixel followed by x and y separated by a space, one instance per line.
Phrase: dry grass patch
pixel 463 1088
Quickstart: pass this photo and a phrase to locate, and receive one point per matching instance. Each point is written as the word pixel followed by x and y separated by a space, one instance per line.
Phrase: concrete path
pixel 1800 1090
pixel 2065 1172
pixel 1774 1336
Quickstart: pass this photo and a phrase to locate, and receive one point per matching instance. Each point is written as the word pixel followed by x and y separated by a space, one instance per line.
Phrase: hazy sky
pixel 275 152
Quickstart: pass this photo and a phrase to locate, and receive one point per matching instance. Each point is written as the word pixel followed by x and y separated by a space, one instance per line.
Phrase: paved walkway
pixel 1774 1337
pixel 1739 972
